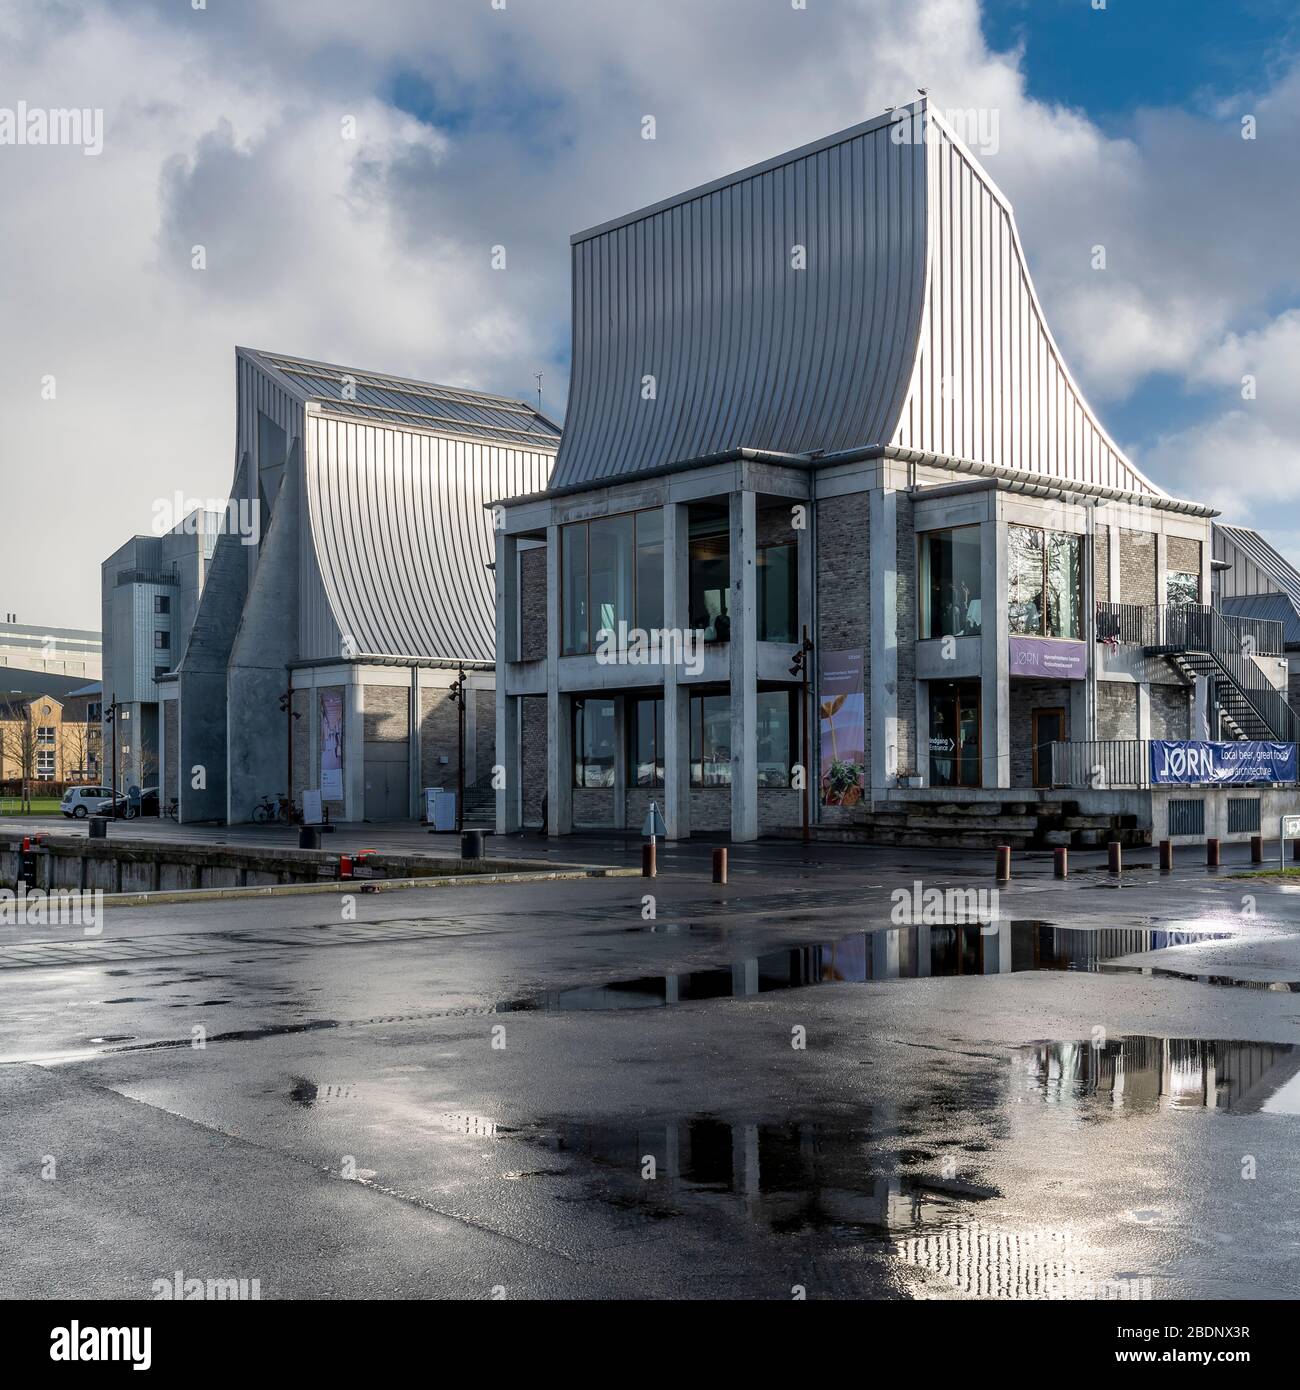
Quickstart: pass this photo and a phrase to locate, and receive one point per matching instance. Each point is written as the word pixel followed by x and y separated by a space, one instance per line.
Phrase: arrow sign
pixel 654 822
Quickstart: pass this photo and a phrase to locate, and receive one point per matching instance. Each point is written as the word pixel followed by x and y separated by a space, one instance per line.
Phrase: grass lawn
pixel 41 806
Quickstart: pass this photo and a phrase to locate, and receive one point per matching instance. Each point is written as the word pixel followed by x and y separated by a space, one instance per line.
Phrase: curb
pixel 363 885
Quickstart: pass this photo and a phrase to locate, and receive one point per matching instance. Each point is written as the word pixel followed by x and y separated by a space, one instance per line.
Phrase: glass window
pixel 1064 585
pixel 610 543
pixel 45 734
pixel 775 737
pixel 1182 588
pixel 573 563
pixel 646 743
pixel 650 570
pixel 593 743
pixel 710 586
pixel 161 603
pixel 1025 579
pixel 710 741
pixel 45 763
pixel 162 641
pixel 951 605
pixel 778 593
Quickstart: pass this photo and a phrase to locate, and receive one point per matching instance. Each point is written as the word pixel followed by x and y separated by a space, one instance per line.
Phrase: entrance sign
pixel 312 812
pixel 1192 762
pixel 842 712
pixel 1049 658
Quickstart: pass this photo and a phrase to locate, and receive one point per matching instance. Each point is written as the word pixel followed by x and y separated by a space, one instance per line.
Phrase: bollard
pixel 1114 857
pixel 1002 864
pixel 648 869
pixel 1211 854
pixel 1166 856
pixel 308 837
pixel 720 865
pixel 1061 863
pixel 1256 849
pixel 99 828
pixel 471 844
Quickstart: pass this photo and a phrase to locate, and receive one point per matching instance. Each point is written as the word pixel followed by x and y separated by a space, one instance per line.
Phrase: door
pixel 1048 728
pixel 955 734
pixel 388 779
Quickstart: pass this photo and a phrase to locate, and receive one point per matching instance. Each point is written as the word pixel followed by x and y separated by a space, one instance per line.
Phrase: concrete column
pixel 677 736
pixel 510 792
pixel 882 692
pixel 354 748
pixel 620 762
pixel 414 750
pixel 1112 555
pixel 744 667
pixel 995 706
pixel 471 732
pixel 559 720
pixel 1143 710
pixel 1162 566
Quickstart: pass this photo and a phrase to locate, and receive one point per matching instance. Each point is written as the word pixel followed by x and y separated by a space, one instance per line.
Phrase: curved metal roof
pixel 914 325
pixel 402 535
pixel 701 294
pixel 401 401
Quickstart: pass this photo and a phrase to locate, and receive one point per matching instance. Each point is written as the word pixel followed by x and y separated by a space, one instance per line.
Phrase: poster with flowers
pixel 841 706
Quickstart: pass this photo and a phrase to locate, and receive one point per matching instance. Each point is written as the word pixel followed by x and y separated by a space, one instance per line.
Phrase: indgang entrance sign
pixel 1193 763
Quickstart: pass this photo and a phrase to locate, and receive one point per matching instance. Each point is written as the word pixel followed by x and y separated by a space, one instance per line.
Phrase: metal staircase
pixel 1198 641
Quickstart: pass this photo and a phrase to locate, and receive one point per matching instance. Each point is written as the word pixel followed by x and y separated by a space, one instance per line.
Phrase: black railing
pixel 125 577
pixel 1101 764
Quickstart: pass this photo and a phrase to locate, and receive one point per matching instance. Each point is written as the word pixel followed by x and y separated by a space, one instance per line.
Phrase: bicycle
pixel 275 810
pixel 173 810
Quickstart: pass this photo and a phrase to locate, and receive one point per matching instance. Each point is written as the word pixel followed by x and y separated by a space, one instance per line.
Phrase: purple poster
pixel 1048 658
pixel 840 706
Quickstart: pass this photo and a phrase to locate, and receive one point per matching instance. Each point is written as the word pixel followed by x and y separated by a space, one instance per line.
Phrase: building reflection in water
pixel 1140 1072
pixel 893 953
pixel 788 1177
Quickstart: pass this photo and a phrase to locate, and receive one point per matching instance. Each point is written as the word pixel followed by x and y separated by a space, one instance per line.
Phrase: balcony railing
pixel 1100 764
pixel 1188 627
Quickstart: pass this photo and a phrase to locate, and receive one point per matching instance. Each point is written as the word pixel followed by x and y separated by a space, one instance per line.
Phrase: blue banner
pixel 1186 762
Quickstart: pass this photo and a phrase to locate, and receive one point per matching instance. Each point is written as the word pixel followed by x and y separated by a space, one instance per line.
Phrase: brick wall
pixel 907 629
pixel 172 752
pixel 1183 556
pixel 302 737
pixel 532 604
pixel 386 718
pixel 844 595
pixel 1117 708
pixel 1026 697
pixel 485 750
pixel 532 738
pixel 1171 715
pixel 439 738
pixel 1137 567
pixel 1101 564
pixel 593 808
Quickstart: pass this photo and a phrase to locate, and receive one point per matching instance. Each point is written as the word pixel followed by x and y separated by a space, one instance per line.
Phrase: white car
pixel 80 802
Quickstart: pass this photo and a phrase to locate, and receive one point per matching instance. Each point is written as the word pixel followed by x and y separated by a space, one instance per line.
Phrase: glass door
pixel 955 734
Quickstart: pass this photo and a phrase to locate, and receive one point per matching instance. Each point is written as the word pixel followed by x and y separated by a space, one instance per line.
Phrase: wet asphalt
pixel 541 1090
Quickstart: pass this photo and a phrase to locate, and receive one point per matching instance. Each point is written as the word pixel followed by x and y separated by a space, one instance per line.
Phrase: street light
pixel 799 668
pixel 457 694
pixel 110 718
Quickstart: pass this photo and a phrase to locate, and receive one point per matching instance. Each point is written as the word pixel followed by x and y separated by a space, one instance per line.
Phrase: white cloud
pixel 223 129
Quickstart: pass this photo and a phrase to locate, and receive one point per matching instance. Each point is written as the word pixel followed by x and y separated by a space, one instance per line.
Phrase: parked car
pixel 80 802
pixel 126 810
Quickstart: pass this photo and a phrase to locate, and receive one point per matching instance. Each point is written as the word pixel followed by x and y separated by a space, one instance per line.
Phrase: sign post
pixel 1289 830
pixel 654 825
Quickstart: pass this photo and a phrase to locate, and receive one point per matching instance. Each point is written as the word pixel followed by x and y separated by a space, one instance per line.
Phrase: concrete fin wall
pixel 265 644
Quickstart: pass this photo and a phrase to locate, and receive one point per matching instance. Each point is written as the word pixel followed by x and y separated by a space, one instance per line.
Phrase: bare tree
pixel 19 743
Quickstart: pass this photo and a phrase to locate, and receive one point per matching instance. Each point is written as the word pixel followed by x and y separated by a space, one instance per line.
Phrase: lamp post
pixel 458 699
pixel 799 667
pixel 287 709
pixel 110 718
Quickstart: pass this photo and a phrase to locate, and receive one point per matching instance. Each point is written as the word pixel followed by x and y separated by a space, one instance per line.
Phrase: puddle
pixel 790 1178
pixel 1140 1072
pixel 894 953
pixel 1159 972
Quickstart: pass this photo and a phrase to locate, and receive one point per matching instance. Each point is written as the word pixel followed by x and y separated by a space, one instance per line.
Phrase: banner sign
pixel 331 745
pixel 1189 762
pixel 842 713
pixel 1049 658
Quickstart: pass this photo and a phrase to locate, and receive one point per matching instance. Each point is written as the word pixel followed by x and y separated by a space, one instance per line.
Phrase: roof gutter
pixel 432 663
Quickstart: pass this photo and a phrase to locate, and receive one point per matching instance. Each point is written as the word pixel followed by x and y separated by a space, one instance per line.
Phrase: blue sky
pixel 475 127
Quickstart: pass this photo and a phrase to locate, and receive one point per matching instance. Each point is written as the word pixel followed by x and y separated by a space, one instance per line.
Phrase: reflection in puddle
pixel 894 953
pixel 791 1178
pixel 1156 972
pixel 1148 1073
